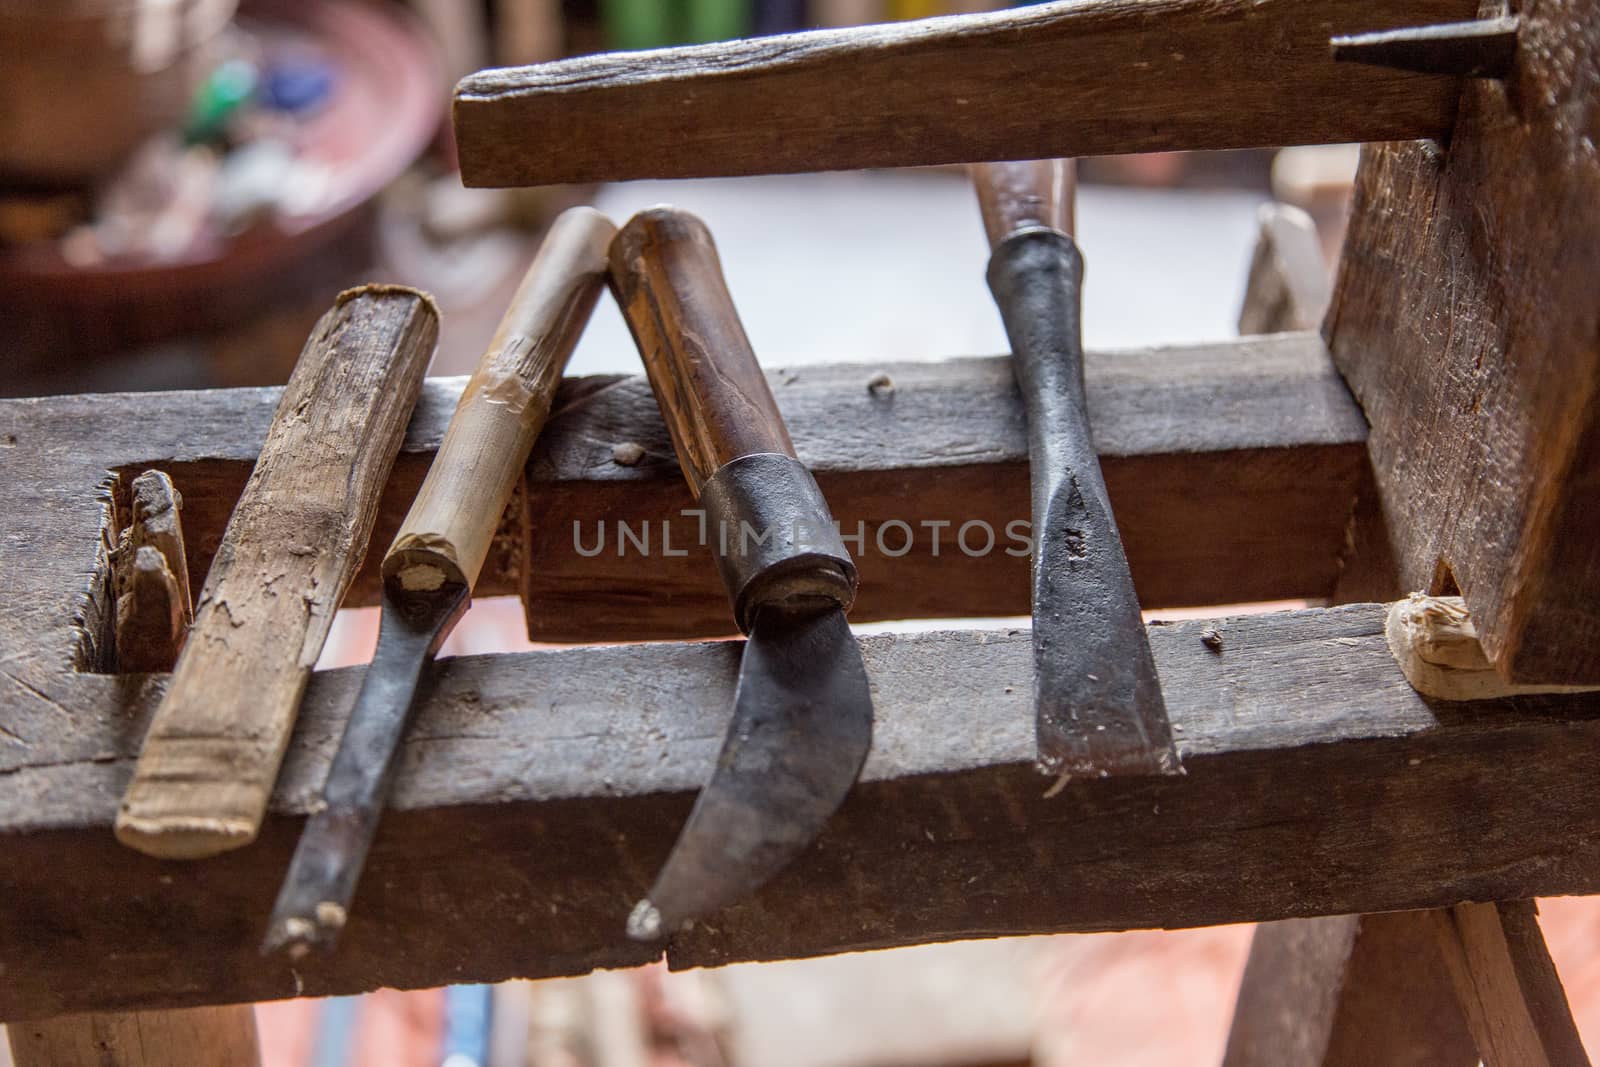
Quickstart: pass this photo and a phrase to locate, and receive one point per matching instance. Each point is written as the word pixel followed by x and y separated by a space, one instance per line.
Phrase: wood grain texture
pixel 1038 192
pixel 1465 321
pixel 292 545
pixel 450 528
pixel 1231 467
pixel 1348 991
pixel 1092 77
pixel 947 445
pixel 717 403
pixel 538 793
pixel 1507 985
pixel 214 1036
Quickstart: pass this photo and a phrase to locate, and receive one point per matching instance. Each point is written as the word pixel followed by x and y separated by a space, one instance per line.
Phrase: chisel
pixel 802 716
pixel 1098 708
pixel 429 570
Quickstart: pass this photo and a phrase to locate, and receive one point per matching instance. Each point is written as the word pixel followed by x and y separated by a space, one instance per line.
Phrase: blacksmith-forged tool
pixel 1098 709
pixel 802 716
pixel 429 570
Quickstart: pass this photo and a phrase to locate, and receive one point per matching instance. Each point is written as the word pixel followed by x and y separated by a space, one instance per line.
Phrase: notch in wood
pixel 1481 48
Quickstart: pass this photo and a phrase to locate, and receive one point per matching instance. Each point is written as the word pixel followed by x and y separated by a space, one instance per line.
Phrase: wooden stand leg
pixel 1348 990
pixel 1507 985
pixel 219 1037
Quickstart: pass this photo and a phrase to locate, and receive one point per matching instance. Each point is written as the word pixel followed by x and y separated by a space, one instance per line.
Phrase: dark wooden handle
pixel 1035 192
pixel 668 281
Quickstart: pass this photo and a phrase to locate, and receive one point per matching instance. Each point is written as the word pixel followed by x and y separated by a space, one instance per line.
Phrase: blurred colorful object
pixel 85 81
pixel 189 239
pixel 637 24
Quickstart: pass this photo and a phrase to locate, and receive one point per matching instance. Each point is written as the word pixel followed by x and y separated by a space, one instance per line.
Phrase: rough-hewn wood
pixel 151 574
pixel 1466 322
pixel 1507 985
pixel 1348 991
pixel 669 282
pixel 538 793
pixel 1094 77
pixel 296 538
pixel 1231 467
pixel 213 1036
pixel 1178 430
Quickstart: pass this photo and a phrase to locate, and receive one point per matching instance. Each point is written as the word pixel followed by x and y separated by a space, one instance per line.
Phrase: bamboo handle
pixel 446 535
pixel 1013 196
pixel 718 407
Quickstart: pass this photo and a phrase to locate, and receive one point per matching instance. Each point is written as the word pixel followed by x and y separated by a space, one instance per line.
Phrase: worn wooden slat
pixel 1091 77
pixel 1347 991
pixel 1232 467
pixel 1178 430
pixel 1465 320
pixel 1507 984
pixel 291 547
pixel 539 793
pixel 215 1036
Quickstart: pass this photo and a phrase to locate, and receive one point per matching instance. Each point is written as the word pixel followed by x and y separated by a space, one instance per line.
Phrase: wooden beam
pixel 1507 985
pixel 1345 991
pixel 1465 321
pixel 216 1036
pixel 1093 77
pixel 1232 467
pixel 539 792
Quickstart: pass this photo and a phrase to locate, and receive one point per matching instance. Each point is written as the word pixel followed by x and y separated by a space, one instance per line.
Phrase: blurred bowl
pixel 86 81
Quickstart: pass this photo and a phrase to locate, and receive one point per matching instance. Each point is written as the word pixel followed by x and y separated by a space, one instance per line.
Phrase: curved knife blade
pixel 802 725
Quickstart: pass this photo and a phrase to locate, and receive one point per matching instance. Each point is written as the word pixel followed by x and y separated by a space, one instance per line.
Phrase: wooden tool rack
pixel 1440 431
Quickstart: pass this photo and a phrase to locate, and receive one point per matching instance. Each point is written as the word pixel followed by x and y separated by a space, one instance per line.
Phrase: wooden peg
pixel 1436 644
pixel 152 578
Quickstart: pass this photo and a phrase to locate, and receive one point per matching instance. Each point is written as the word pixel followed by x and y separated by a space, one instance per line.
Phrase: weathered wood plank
pixel 1507 984
pixel 1232 467
pixel 1347 991
pixel 1466 322
pixel 289 552
pixel 1093 77
pixel 540 792
pixel 215 1036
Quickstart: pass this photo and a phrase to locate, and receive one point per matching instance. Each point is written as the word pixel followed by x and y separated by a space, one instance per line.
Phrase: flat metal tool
pixel 1097 700
pixel 802 716
pixel 429 570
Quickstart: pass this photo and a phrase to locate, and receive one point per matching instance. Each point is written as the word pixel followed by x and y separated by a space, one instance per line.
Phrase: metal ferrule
pixel 777 545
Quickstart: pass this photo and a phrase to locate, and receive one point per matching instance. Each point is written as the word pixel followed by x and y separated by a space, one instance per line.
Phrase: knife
pixel 802 714
pixel 1098 708
pixel 429 570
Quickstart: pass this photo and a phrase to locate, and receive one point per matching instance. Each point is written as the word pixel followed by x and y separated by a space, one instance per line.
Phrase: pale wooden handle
pixel 292 546
pixel 447 533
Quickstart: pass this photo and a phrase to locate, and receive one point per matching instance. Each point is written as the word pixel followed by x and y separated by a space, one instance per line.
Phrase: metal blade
pixel 802 725
pixel 315 897
pixel 1097 701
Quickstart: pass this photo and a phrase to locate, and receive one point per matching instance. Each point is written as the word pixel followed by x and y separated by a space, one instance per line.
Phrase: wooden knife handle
pixel 1014 196
pixel 668 280
pixel 292 546
pixel 446 535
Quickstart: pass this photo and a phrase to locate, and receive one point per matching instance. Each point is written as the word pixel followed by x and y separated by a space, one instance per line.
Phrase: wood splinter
pixel 1436 644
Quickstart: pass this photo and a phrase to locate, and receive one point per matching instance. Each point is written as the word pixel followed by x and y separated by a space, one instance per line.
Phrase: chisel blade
pixel 802 725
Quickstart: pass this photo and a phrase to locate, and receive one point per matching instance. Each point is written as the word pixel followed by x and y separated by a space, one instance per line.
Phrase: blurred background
pixel 186 184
